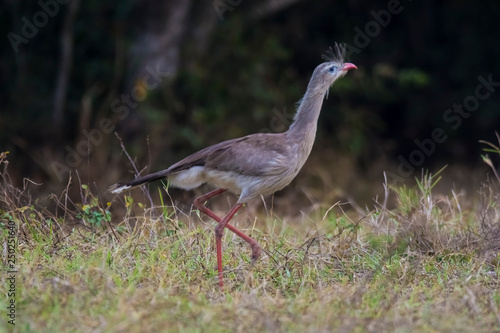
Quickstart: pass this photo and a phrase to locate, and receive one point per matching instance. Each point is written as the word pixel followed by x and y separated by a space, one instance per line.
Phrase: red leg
pixel 223 223
pixel 219 232
pixel 199 203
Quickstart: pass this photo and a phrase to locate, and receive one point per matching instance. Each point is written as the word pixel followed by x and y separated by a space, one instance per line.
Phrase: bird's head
pixel 328 72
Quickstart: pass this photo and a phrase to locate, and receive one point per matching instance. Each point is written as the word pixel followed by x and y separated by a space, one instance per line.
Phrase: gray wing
pixel 253 155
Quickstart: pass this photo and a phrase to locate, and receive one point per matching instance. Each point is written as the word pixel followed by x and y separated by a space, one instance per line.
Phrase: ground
pixel 430 264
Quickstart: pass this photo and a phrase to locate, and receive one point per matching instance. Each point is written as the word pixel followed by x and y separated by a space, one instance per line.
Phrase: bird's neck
pixel 302 132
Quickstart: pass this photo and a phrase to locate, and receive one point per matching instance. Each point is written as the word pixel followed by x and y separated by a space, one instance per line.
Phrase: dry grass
pixel 429 264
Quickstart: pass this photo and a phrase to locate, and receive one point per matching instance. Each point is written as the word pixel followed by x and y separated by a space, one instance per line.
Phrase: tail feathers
pixel 117 188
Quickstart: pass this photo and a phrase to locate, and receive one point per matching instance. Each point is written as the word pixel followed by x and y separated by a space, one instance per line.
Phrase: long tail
pixel 117 188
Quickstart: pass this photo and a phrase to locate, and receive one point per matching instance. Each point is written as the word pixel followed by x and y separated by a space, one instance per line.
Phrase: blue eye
pixel 332 69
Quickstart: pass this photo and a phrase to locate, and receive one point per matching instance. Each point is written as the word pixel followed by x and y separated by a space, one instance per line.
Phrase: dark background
pixel 235 66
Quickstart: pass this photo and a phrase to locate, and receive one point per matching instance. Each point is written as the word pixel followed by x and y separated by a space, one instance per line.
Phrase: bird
pixel 257 164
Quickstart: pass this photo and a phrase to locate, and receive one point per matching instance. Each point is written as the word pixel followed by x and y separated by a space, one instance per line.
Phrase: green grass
pixel 430 264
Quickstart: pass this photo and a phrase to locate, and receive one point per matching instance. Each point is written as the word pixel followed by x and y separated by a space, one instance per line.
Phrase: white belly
pixel 247 187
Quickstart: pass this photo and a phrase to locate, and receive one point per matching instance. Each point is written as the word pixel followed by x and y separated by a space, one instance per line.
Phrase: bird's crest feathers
pixel 336 54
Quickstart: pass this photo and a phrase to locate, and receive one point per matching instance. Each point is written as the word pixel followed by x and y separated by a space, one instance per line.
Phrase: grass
pixel 431 263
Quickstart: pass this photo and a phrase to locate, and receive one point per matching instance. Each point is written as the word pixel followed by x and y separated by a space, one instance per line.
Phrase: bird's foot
pixel 255 253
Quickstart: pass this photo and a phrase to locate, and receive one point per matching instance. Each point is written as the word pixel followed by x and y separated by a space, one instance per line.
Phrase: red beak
pixel 348 66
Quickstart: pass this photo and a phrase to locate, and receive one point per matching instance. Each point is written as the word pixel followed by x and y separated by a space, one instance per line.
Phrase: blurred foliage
pixel 428 57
